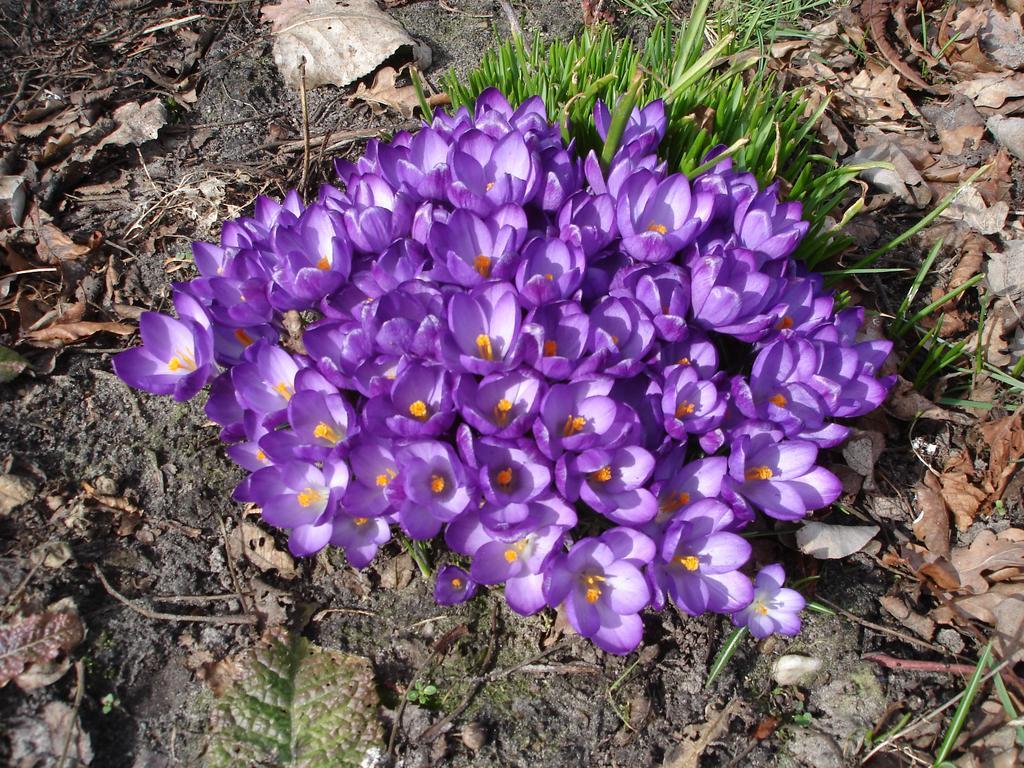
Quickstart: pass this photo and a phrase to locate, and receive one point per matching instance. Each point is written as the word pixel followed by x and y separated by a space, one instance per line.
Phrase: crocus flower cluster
pixel 588 380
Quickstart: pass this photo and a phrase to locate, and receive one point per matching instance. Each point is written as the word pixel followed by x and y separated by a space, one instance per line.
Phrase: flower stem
pixel 620 117
pixel 418 554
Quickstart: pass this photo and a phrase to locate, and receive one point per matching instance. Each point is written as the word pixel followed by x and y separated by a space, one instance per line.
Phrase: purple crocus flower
pixel 424 168
pixel 418 404
pixel 771 228
pixel 503 405
pixel 510 474
pixel 730 295
pixel 656 218
pixel 678 483
pixel 378 215
pixel 588 221
pixel 359 537
pixel 621 335
pixel 610 481
pixel 550 270
pixel 699 562
pixel 779 477
pixel 664 291
pixel 374 466
pixel 644 129
pixel 690 405
pixel 176 356
pixel 581 415
pixel 268 382
pixel 488 173
pixel 318 423
pixel 483 333
pixel 435 486
pixel 602 590
pixel 469 250
pixel 302 497
pixel 315 259
pixel 556 340
pixel 695 349
pixel 453 586
pixel 774 608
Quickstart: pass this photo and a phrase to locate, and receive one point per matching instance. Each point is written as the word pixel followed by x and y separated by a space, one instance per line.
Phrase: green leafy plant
pixel 294 704
pixel 424 694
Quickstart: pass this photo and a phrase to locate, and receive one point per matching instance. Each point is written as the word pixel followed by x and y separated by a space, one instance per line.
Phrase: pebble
pixel 793 669
pixel 474 735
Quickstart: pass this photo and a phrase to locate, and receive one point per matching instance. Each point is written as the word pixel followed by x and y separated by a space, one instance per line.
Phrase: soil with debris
pixel 109 496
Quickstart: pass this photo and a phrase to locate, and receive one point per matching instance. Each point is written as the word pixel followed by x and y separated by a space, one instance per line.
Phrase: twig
pixel 246 605
pixel 79 690
pixel 17 95
pixel 160 616
pixel 879 628
pixel 305 126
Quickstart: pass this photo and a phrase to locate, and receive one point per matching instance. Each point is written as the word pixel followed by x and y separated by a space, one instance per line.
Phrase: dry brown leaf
pixel 963 498
pixel 1002 607
pixel 832 542
pixel 907 404
pixel 990 90
pixel 875 94
pixel 14 491
pixel 37 639
pixel 339 40
pixel 912 620
pixel 956 123
pixel 54 246
pixel 928 565
pixel 1004 271
pixel 136 124
pixel 996 337
pixel 1005 438
pixel 401 98
pixel 987 553
pixel 1009 132
pixel 1002 38
pixel 258 547
pixel 931 526
pixel 969 207
pixel 62 334
pixel 904 180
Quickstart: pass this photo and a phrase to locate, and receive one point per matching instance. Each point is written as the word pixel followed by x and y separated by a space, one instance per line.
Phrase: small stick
pixel 879 628
pixel 79 690
pixel 160 616
pixel 305 126
pixel 915 665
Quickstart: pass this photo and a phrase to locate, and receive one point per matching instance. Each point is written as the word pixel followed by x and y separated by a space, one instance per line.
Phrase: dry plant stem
pixel 160 616
pixel 879 628
pixel 246 604
pixel 915 665
pixel 305 126
pixel 925 718
pixel 72 727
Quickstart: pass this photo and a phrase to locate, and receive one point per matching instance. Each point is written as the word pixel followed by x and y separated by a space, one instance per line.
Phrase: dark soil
pixel 71 422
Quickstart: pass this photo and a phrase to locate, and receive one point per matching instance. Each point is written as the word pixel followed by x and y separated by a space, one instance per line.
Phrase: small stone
pixel 105 486
pixel 474 735
pixel 793 669
pixel 950 639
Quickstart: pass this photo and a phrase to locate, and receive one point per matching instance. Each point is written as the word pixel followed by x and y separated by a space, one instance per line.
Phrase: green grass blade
pixel 732 643
pixel 963 708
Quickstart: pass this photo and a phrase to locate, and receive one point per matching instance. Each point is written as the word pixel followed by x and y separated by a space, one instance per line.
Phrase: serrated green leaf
pixel 11 364
pixel 296 705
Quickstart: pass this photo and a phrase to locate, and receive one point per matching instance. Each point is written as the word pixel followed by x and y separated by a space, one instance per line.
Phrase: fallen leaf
pixel 339 40
pixel 1005 438
pixel 992 89
pixel 988 552
pixel 969 207
pixel 136 124
pixel 912 620
pixel 1002 607
pixel 1005 271
pixel 54 246
pixel 956 123
pixel 258 547
pixel 861 451
pixel 831 542
pixel 38 638
pixel 931 526
pixel 1002 39
pixel 903 181
pixel 875 94
pixel 1008 131
pixel 401 98
pixel 62 334
pixel 959 490
pixel 14 491
pixel 907 404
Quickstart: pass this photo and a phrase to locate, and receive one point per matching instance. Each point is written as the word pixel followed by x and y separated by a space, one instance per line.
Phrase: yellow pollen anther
pixel 284 390
pixel 689 562
pixel 383 479
pixel 550 348
pixel 761 608
pixel 483 347
pixel 482 264
pixel 490 186
pixel 323 263
pixel 511 555
pixel 615 340
pixel 758 473
pixel 785 323
pixel 593 595
pixel 309 496
pixel 504 477
pixel 361 520
pixel 418 410
pixel 182 360
pixel 243 338
pixel 325 431
pixel 661 229
pixel 501 412
pixel 457 582
pixel 549 276
pixel 673 502
pixel 778 400
pixel 684 361
pixel 685 408
pixel 603 475
pixel 573 424
pixel 174 363
pixel 436 483
pixel 260 455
